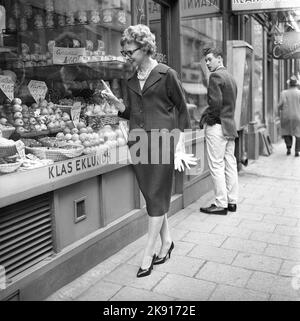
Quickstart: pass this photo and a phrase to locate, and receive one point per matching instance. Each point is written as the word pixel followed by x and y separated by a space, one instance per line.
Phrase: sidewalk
pixel 249 255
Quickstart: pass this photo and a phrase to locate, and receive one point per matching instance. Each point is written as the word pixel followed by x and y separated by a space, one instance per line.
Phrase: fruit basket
pixel 9 167
pixel 8 150
pixel 97 122
pixel 56 154
pixel 7 131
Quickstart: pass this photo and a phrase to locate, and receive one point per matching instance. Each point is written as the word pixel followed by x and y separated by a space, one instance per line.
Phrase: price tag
pixel 21 149
pixel 7 86
pixel 75 113
pixel 64 56
pixel 38 90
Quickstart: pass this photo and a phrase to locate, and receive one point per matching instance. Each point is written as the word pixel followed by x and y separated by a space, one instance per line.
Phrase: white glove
pixel 183 159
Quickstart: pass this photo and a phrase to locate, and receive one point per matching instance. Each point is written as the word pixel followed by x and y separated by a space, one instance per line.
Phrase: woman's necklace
pixel 143 74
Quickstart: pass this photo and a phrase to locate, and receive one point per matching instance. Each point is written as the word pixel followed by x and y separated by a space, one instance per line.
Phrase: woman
pixel 289 105
pixel 155 96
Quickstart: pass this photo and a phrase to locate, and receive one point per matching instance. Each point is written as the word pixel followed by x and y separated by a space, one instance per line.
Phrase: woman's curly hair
pixel 142 35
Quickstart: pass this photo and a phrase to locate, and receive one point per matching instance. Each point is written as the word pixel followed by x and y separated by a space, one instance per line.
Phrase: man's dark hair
pixel 216 51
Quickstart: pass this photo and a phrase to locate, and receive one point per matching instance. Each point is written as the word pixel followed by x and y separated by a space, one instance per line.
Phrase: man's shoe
pixel 214 210
pixel 288 151
pixel 297 154
pixel 232 207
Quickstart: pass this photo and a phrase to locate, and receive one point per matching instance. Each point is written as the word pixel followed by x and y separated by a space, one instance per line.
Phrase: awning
pixel 194 88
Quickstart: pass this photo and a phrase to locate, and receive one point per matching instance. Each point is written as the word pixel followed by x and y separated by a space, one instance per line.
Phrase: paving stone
pixel 283 252
pixel 252 216
pixel 126 275
pixel 193 223
pixel 230 293
pixel 185 288
pixel 102 291
pixel 211 253
pixel 292 211
pixel 231 219
pixel 205 238
pixel 232 231
pixel 288 268
pixel 272 238
pixel 258 262
pixel 181 265
pixel 288 221
pixel 273 284
pixel 182 248
pixel 257 226
pixel 178 234
pixel 132 294
pixel 250 246
pixel 286 230
pixel 226 274
pixel 294 241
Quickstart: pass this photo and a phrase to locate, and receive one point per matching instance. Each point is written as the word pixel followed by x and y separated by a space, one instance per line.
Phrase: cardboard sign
pixel 38 90
pixel 64 56
pixel 123 125
pixel 7 86
pixel 21 149
pixel 75 113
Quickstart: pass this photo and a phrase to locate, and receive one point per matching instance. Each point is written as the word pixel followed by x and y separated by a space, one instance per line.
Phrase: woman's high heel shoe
pixel 159 260
pixel 145 272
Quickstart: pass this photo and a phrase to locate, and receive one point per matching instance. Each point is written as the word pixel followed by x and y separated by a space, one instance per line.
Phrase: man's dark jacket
pixel 222 93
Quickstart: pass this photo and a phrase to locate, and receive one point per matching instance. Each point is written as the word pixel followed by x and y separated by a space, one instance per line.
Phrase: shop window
pixel 258 45
pixel 196 33
pixel 80 210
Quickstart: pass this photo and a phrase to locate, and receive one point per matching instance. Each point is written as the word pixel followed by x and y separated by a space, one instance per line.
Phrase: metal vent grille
pixel 25 234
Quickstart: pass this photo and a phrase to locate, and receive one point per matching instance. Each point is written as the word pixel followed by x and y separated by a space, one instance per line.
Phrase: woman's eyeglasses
pixel 129 53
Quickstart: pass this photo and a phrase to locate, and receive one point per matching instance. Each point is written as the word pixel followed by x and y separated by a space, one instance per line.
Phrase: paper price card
pixel 38 90
pixel 21 149
pixel 75 113
pixel 7 86
pixel 64 56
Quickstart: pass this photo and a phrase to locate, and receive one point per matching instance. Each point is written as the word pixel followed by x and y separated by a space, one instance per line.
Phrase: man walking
pixel 220 133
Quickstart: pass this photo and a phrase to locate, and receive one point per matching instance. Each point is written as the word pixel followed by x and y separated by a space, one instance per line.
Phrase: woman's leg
pixel 166 239
pixel 155 225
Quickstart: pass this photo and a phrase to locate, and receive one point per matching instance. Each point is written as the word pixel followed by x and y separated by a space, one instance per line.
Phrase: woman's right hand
pixel 107 93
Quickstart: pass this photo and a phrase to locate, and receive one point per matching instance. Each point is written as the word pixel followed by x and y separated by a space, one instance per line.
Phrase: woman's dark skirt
pixel 154 169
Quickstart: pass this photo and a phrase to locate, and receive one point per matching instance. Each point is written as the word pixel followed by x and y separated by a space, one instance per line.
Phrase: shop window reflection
pixel 195 35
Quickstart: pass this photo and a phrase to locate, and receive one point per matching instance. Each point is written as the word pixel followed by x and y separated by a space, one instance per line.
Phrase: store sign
pixel 38 90
pixel 286 46
pixel 64 56
pixel 7 86
pixel 259 5
pixel 189 8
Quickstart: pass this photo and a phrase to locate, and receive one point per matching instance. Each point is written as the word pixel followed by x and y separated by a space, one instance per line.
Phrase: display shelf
pixel 84 71
pixel 8 49
pixel 41 133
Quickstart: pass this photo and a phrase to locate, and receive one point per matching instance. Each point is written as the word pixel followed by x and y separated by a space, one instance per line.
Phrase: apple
pixel 86 143
pixel 18 115
pixel 25 119
pixel 68 136
pixel 66 117
pixel 70 124
pixel 50 104
pixel 60 136
pixel 19 122
pixel 38 128
pixel 83 137
pixel 44 111
pixel 75 137
pixel 90 129
pixel 25 108
pixel 32 121
pixel 78 142
pixel 74 131
pixel 34 106
pixel 58 111
pixel 58 116
pixel 17 108
pixel 3 121
pixel 21 130
pixel 81 125
pixel 83 130
pixel 62 124
pixel 57 124
pixel 51 126
pixel 43 104
pixel 43 127
pixel 67 130
pixel 17 101
pixel 50 111
pixel 52 118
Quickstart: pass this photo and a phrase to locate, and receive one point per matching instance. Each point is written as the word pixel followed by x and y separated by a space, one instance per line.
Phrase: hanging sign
pixel 7 86
pixel 286 46
pixel 260 5
pixel 75 113
pixel 38 90
pixel 64 56
pixel 188 8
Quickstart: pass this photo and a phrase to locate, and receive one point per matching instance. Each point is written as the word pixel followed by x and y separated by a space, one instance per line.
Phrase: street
pixel 253 254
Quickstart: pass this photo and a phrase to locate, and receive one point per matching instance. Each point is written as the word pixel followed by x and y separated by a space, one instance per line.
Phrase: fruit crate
pixel 98 122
